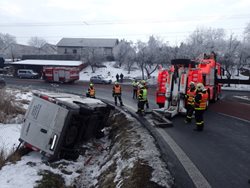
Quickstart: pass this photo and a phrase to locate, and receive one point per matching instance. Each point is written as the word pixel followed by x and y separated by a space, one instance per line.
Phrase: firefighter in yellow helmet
pixel 91 91
pixel 144 83
pixel 190 101
pixel 142 99
pixel 117 93
pixel 200 105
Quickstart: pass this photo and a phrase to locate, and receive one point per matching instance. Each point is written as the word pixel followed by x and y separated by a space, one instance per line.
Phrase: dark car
pixel 100 80
pixel 2 83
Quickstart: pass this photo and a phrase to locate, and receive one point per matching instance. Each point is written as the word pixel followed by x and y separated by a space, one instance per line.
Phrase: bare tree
pixel 7 45
pixel 204 40
pixel 94 57
pixel 121 51
pixel 130 59
pixel 37 42
pixel 228 59
pixel 141 56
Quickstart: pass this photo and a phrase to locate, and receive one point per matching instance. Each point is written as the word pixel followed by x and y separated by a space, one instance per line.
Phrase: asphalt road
pixel 221 152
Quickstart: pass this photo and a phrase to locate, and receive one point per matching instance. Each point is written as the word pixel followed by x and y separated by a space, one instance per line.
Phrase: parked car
pixel 100 80
pixel 2 83
pixel 27 73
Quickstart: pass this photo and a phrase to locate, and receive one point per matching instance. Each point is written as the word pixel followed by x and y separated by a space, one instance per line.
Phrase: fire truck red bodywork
pixel 60 74
pixel 205 71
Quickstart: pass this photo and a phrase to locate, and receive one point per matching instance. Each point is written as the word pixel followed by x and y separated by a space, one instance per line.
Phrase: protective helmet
pixel 192 84
pixel 143 82
pixel 116 83
pixel 91 84
pixel 200 87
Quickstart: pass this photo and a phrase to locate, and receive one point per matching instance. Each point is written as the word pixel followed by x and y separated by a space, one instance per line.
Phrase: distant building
pixel 16 51
pixel 80 46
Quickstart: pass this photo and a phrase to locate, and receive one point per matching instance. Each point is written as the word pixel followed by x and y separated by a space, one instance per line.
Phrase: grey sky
pixel 171 20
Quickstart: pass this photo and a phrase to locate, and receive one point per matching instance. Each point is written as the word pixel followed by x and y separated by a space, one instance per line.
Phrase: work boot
pixel 122 104
pixel 116 103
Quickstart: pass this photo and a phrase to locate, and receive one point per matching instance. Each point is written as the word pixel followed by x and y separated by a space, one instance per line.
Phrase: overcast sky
pixel 171 20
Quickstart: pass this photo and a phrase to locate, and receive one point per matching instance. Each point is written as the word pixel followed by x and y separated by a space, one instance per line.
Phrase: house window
pixel 65 50
pixel 74 51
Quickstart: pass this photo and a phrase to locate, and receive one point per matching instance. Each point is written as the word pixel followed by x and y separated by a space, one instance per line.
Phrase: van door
pixel 43 121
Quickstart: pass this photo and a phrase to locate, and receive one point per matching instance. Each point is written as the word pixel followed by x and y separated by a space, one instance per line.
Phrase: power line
pixel 123 22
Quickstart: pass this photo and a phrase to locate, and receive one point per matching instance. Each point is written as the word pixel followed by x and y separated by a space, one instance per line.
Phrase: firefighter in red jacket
pixel 91 91
pixel 200 104
pixel 117 93
pixel 190 102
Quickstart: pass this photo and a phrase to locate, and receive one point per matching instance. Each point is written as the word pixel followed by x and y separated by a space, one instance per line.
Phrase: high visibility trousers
pixel 190 111
pixel 199 119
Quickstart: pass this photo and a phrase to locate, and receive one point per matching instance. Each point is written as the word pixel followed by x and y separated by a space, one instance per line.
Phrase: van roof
pixel 71 99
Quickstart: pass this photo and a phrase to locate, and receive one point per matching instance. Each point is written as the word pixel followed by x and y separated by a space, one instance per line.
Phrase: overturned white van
pixel 56 123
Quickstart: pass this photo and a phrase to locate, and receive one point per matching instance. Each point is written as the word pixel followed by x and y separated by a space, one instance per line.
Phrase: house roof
pixel 47 62
pixel 87 42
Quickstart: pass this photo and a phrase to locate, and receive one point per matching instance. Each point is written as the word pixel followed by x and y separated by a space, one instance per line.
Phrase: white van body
pixel 55 122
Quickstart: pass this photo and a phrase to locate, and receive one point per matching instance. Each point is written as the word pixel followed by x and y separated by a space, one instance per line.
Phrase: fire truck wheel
pixel 71 136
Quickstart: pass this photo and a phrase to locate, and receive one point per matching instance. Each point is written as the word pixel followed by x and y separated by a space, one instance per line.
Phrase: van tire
pixel 70 154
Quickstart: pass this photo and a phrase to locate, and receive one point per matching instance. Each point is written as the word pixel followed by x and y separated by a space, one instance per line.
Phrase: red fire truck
pixel 60 74
pixel 173 82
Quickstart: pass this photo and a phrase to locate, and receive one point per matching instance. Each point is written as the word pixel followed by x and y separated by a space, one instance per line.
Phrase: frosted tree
pixel 94 57
pixel 37 42
pixel 130 58
pixel 229 56
pixel 203 40
pixel 7 45
pixel 121 51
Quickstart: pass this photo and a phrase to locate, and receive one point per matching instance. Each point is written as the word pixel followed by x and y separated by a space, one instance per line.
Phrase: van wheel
pixel 71 136
pixel 70 154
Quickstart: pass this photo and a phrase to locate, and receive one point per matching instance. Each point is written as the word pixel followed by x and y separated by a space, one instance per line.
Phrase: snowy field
pixel 110 71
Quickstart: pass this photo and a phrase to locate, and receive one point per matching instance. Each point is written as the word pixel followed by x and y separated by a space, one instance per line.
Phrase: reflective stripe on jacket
pixel 202 103
pixel 143 94
pixel 190 96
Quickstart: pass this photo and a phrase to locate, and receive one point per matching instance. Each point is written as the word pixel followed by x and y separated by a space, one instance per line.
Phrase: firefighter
pixel 143 82
pixel 135 88
pixel 142 98
pixel 117 93
pixel 91 91
pixel 200 103
pixel 190 102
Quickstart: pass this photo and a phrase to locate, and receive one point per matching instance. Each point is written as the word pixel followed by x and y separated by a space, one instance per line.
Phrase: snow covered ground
pixel 111 70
